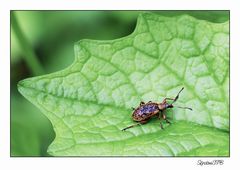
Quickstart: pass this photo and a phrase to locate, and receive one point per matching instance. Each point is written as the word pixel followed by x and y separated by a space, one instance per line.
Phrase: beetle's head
pixel 169 105
pixel 163 106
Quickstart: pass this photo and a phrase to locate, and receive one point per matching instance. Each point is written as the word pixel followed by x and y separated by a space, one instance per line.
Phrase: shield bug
pixel 145 111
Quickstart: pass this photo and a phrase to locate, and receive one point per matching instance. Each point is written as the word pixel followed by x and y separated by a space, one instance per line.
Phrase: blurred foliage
pixel 52 35
pixel 31 133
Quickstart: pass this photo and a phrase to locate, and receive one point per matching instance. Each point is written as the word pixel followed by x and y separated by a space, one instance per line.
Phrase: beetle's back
pixel 145 111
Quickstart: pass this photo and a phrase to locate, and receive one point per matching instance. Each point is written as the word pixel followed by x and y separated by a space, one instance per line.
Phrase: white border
pixel 115 163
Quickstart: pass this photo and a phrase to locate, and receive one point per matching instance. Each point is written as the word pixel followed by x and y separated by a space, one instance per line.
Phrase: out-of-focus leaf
pixel 30 130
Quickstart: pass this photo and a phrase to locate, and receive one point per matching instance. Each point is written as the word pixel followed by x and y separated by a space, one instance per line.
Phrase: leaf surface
pixel 90 102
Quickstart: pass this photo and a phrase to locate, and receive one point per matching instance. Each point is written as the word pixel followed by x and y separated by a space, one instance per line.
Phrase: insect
pixel 145 111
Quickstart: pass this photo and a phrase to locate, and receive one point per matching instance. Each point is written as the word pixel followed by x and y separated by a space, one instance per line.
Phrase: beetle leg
pixel 141 103
pixel 159 117
pixel 165 118
pixel 130 126
pixel 161 126
pixel 140 123
pixel 168 121
pixel 149 102
pixel 133 108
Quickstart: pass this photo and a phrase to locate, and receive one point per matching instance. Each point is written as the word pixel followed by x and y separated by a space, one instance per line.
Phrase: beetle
pixel 145 111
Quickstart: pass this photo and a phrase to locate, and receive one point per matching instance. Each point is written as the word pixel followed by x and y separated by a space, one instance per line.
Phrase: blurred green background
pixel 42 42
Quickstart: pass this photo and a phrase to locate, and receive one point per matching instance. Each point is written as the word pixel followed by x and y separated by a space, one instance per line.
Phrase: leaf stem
pixel 29 54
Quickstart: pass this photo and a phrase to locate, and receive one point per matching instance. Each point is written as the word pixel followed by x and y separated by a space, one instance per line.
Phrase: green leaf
pixel 90 102
pixel 208 150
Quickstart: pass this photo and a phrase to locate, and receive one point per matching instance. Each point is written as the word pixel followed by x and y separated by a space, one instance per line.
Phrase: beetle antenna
pixel 175 99
pixel 184 107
